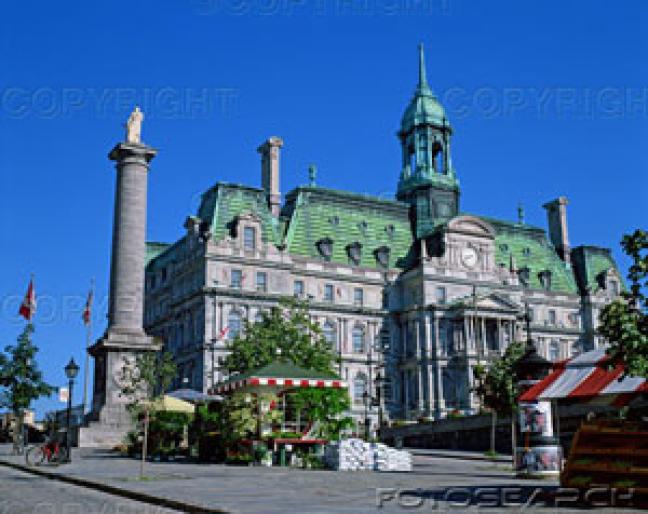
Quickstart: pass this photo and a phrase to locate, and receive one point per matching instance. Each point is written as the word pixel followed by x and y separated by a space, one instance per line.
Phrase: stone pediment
pixel 471 225
pixel 489 302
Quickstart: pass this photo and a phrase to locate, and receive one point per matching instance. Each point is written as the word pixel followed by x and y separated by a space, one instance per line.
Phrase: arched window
pixel 359 387
pixel 358 340
pixel 233 324
pixel 437 157
pixel 329 334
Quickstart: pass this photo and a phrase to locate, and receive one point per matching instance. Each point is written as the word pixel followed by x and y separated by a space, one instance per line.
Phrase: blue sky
pixel 547 98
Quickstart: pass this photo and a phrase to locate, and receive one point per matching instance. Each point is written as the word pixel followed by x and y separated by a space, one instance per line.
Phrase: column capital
pixel 123 151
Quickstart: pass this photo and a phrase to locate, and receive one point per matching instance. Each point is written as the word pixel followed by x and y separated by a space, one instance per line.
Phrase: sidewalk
pixel 458 454
pixel 192 487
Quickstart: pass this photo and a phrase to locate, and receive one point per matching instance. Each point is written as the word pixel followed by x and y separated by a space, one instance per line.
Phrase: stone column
pixel 124 338
pixel 125 313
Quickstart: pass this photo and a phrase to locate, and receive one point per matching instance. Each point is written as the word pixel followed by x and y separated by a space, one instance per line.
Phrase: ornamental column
pixel 124 339
pixel 126 307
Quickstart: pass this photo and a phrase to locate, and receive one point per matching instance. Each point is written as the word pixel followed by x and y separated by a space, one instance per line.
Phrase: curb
pixel 117 491
pixel 503 460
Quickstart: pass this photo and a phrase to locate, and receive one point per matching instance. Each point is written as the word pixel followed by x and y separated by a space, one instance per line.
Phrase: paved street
pixel 249 490
pixel 23 493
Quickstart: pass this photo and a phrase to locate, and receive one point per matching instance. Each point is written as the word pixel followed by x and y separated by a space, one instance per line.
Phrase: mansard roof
pixel 589 263
pixel 314 214
pixel 222 203
pixel 531 249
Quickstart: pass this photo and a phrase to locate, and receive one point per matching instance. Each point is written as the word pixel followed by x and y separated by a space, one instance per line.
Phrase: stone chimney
pixel 557 219
pixel 270 172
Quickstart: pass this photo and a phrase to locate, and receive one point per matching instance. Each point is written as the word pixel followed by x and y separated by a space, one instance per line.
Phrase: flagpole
pixel 87 353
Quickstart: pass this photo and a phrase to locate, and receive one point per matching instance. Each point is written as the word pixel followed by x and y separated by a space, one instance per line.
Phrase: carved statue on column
pixel 134 126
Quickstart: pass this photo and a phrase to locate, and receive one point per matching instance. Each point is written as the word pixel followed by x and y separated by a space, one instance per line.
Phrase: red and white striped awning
pixel 279 383
pixel 585 378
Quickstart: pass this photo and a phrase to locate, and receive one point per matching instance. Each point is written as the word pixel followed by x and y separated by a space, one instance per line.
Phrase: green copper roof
pixel 153 249
pixel 224 202
pixel 530 248
pixel 424 108
pixel 315 214
pixel 590 262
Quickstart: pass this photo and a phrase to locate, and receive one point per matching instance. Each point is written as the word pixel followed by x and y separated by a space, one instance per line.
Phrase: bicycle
pixel 50 452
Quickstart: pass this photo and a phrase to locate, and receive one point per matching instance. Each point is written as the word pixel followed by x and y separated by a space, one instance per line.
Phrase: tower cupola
pixel 427 177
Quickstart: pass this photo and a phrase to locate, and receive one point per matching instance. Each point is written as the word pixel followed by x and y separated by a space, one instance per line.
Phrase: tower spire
pixel 422 83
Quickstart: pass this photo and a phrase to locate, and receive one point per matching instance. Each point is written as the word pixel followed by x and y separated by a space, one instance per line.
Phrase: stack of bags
pixel 356 455
pixel 390 459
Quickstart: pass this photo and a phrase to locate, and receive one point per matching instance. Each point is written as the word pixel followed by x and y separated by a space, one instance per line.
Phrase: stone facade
pixel 412 288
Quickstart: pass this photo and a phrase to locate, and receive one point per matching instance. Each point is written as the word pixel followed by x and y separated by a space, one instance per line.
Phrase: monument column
pixel 124 338
pixel 126 307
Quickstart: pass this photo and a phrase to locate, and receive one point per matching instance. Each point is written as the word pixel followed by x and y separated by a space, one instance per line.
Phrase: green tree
pixel 287 332
pixel 145 379
pixel 243 414
pixel 496 384
pixel 624 322
pixel 21 380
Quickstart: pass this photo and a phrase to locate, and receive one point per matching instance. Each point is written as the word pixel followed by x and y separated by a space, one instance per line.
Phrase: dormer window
pixel 545 279
pixel 325 248
pixel 524 275
pixel 382 256
pixel 363 226
pixel 249 239
pixel 526 251
pixel 334 220
pixel 390 230
pixel 354 251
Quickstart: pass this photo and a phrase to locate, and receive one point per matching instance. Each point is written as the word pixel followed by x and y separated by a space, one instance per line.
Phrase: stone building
pixel 414 288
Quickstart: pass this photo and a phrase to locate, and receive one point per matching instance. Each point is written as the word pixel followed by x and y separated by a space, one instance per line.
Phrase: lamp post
pixel 380 381
pixel 365 401
pixel 71 372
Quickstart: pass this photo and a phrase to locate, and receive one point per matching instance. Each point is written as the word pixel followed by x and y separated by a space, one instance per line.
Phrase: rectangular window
pixel 261 281
pixel 328 293
pixel 441 295
pixel 552 317
pixel 237 279
pixel 358 297
pixel 249 239
pixel 298 288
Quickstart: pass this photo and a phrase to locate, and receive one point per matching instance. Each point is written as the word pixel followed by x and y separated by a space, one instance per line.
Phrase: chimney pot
pixel 557 220
pixel 269 151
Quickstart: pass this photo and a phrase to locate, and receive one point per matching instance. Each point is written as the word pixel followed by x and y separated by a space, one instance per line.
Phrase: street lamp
pixel 71 372
pixel 378 401
pixel 365 402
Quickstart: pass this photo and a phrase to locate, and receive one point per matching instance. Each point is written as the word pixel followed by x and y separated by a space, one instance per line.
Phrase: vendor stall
pixel 604 453
pixel 292 436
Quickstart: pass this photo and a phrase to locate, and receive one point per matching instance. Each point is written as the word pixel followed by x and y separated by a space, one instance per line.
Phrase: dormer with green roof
pixel 427 179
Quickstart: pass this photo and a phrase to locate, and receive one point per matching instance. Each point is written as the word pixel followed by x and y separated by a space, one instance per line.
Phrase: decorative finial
pixel 520 211
pixel 312 175
pixel 134 126
pixel 422 84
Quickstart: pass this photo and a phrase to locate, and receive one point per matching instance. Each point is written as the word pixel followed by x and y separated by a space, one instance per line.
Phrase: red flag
pixel 28 306
pixel 87 310
pixel 222 333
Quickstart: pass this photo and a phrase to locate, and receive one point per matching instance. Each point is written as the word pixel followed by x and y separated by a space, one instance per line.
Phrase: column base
pixel 109 421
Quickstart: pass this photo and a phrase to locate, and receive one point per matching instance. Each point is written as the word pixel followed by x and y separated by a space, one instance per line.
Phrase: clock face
pixel 469 257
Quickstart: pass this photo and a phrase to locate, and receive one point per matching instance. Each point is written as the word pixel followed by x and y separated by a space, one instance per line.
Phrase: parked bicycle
pixel 51 452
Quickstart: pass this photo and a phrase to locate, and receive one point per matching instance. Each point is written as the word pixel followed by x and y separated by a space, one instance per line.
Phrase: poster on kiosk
pixel 535 418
